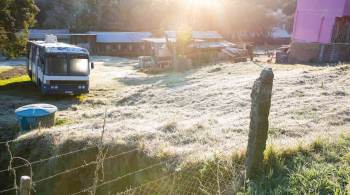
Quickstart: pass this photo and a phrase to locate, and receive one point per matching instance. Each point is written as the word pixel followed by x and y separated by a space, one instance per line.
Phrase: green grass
pixel 20 79
pixel 22 86
pixel 322 168
pixel 62 121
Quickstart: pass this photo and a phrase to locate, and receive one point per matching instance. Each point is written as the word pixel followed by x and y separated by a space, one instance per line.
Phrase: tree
pixel 16 16
pixel 289 9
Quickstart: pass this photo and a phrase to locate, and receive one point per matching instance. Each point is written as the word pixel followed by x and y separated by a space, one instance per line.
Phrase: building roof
pixel 159 40
pixel 198 34
pixel 120 37
pixel 59 47
pixel 209 45
pixel 39 34
pixel 280 33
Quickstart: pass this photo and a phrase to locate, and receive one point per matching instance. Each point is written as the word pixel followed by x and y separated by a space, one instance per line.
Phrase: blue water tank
pixel 36 116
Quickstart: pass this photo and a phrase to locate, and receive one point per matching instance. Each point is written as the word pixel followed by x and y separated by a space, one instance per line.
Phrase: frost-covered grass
pixel 200 111
pixel 3 69
pixel 197 114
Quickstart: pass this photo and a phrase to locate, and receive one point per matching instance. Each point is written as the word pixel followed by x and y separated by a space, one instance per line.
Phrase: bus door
pixel 29 60
pixel 35 63
pixel 41 65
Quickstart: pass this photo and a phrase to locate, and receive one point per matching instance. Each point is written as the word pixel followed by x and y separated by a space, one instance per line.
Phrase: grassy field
pixel 199 117
pixel 322 167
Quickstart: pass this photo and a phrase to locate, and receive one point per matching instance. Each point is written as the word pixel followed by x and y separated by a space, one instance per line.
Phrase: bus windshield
pixel 79 66
pixel 67 66
pixel 56 66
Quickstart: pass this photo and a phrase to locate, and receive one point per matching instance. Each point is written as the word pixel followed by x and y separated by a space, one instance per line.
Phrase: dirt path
pixel 200 110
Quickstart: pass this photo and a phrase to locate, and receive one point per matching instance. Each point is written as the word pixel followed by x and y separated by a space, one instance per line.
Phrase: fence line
pixel 145 184
pixel 189 186
pixel 135 172
pixel 10 167
pixel 121 177
pixel 9 141
pixel 100 157
pixel 50 158
pixel 95 185
pixel 96 162
pixel 83 166
pixel 8 190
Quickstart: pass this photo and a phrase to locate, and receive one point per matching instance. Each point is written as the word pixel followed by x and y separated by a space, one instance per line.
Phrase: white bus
pixel 59 68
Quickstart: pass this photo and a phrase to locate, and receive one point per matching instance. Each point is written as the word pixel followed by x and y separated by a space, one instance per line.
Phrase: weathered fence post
pixel 25 185
pixel 259 123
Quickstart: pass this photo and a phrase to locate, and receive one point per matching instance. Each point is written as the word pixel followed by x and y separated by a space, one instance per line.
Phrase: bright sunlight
pixel 202 3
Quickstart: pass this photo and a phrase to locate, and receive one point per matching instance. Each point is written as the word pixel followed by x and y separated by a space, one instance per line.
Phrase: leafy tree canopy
pixel 16 16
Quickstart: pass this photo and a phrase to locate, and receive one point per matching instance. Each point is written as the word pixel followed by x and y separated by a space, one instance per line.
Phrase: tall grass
pixel 321 168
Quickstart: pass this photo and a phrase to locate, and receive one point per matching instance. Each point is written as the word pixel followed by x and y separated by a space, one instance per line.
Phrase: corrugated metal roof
pixel 39 34
pixel 159 40
pixel 279 33
pixel 208 45
pixel 120 37
pixel 198 34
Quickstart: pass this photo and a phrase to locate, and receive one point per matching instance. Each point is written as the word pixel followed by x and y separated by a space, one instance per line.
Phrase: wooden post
pixel 259 123
pixel 25 185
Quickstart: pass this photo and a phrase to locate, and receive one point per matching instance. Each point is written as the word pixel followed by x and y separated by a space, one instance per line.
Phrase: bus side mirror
pixel 92 65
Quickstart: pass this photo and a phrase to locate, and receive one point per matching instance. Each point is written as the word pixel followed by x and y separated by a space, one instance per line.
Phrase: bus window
pixel 56 66
pixel 33 52
pixel 79 67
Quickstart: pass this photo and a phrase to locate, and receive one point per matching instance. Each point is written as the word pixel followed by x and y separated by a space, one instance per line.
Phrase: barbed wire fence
pixel 189 184
pixel 215 176
pixel 186 181
pixel 169 183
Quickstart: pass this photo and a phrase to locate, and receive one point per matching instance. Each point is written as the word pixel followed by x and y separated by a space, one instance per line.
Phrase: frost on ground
pixel 204 110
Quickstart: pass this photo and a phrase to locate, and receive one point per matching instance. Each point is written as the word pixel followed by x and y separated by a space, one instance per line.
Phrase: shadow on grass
pixel 24 88
pixel 26 91
pixel 166 79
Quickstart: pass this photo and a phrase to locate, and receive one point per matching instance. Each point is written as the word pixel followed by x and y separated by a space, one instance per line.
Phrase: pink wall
pixel 314 19
pixel 347 8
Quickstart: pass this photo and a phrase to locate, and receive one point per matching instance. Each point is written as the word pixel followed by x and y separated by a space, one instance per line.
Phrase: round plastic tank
pixel 36 116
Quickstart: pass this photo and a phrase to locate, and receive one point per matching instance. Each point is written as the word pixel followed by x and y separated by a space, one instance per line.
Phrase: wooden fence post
pixel 25 185
pixel 259 123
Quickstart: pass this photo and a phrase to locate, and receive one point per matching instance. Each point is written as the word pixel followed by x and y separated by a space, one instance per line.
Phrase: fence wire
pixel 185 181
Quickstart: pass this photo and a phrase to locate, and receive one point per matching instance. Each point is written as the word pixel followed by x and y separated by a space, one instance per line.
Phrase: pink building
pixel 322 21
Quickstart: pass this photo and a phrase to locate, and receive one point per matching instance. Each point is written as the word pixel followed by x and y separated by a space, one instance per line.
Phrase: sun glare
pixel 202 3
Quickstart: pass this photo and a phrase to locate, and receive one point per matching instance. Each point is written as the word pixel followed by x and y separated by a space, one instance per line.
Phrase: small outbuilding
pixel 208 36
pixel 280 36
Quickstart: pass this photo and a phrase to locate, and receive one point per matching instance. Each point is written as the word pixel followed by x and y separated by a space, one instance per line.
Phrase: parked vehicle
pixel 59 68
